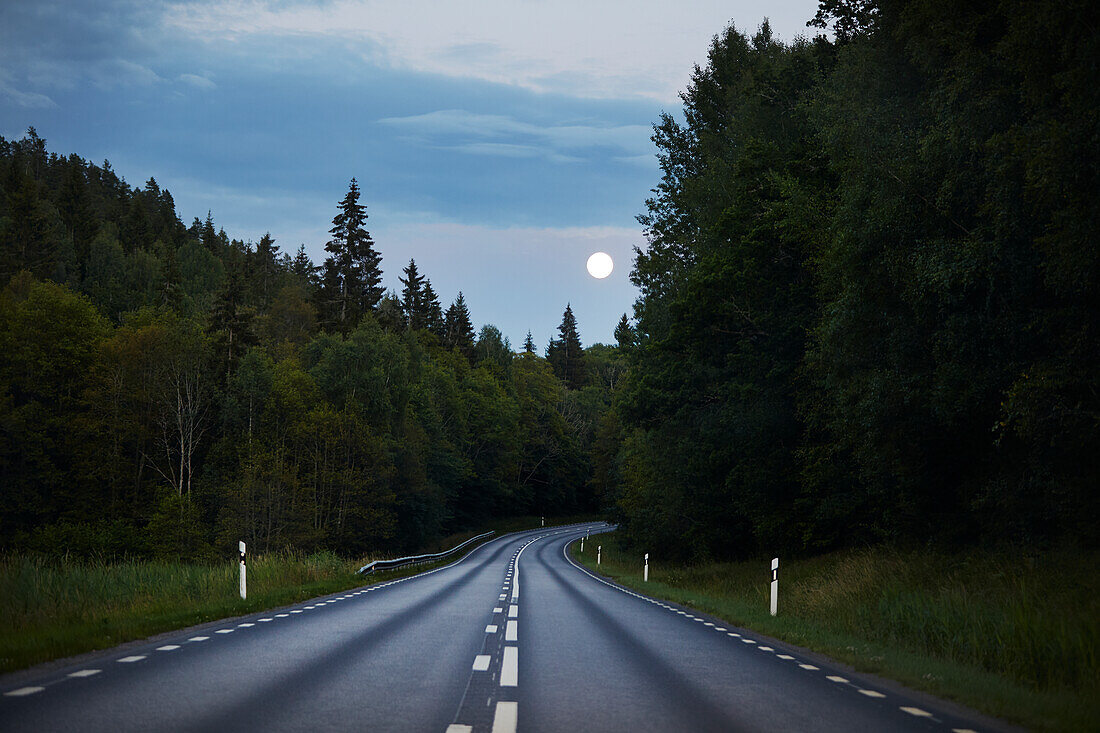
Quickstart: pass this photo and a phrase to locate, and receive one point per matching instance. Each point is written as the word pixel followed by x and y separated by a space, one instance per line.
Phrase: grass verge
pixel 52 608
pixel 1014 637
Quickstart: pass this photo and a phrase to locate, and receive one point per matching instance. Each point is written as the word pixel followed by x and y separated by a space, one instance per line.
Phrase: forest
pixel 166 391
pixel 869 299
pixel 868 313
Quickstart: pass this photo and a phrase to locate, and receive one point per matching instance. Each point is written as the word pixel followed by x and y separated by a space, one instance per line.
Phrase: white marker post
pixel 244 592
pixel 599 549
pixel 582 545
pixel 775 584
pixel 544 521
pixel 645 573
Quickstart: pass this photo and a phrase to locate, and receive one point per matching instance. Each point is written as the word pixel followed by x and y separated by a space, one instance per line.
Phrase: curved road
pixel 514 634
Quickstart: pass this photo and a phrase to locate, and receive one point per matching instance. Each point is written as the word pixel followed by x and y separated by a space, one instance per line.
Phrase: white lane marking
pixel 23 691
pixel 281 615
pixel 244 625
pixel 128 660
pixel 810 667
pixel 748 641
pixel 732 633
pixel 835 678
pixel 765 648
pixel 498 609
pixel 310 608
pixel 168 648
pixel 198 638
pixel 963 730
pixel 708 623
pixel 296 610
pixel 511 631
pixel 506 717
pixel 509 668
pixel 456 728
pixel 503 596
pixel 719 628
pixel 224 631
pixel 491 629
pixel 264 620
pixel 84 673
pixel 788 657
pixel 871 693
pixel 513 611
pixel 917 712
pixel 481 662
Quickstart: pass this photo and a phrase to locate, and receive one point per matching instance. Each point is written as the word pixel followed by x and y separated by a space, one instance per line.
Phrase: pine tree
pixel 458 330
pixel 231 323
pixel 303 267
pixel 529 344
pixel 624 333
pixel 357 265
pixel 433 312
pixel 412 298
pixel 565 353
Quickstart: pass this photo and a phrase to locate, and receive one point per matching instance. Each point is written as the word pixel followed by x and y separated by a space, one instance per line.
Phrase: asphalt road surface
pixel 513 636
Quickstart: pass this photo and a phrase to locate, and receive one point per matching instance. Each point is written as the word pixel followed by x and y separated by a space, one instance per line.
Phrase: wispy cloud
pixel 645 49
pixel 27 100
pixel 199 82
pixel 502 135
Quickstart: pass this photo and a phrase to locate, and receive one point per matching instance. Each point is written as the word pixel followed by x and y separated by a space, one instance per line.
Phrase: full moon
pixel 600 265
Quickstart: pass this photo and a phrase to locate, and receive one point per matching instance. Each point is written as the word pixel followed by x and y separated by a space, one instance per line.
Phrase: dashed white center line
pixel 456 728
pixel 128 660
pixel 765 648
pixel 245 625
pixel 708 623
pixel 491 629
pixel 84 673
pixel 296 610
pixel 224 631
pixel 510 632
pixel 23 691
pixel 917 712
pixel 835 678
pixel 506 717
pixel 748 641
pixel 498 609
pixel 810 667
pixel 264 620
pixel 513 611
pixel 871 693
pixel 732 633
pixel 168 648
pixel 788 657
pixel 198 638
pixel 509 668
pixel 481 662
pixel 963 730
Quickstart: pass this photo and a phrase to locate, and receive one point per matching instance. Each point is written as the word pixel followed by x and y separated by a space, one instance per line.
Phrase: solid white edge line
pixel 84 673
pixel 513 611
pixel 130 659
pixel 511 631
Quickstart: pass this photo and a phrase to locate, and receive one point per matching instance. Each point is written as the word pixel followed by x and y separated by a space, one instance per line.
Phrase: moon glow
pixel 600 265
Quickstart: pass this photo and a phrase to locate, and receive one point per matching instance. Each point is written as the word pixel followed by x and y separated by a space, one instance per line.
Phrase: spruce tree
pixel 230 322
pixel 565 354
pixel 303 267
pixel 412 298
pixel 458 330
pixel 529 344
pixel 357 266
pixel 624 333
pixel 433 312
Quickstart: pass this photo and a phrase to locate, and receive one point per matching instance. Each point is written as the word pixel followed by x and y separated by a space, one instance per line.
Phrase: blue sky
pixel 498 142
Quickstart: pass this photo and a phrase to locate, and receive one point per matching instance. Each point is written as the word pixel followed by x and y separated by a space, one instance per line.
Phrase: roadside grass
pixel 57 607
pixel 1013 636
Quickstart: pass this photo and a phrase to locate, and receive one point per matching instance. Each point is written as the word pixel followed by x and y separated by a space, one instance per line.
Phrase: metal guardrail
pixel 418 559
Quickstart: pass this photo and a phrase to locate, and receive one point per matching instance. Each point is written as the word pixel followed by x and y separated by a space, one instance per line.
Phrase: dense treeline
pixel 868 302
pixel 167 390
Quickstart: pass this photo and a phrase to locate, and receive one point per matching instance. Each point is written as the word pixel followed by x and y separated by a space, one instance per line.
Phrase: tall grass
pixel 1017 636
pixel 54 607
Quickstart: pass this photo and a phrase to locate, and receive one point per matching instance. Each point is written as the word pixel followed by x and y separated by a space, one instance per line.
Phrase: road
pixel 513 636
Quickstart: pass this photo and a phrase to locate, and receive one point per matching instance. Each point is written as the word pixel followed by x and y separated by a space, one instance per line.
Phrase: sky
pixel 499 143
